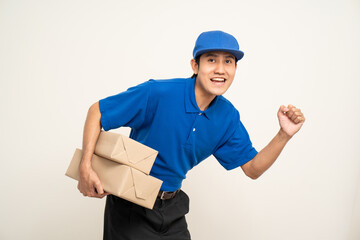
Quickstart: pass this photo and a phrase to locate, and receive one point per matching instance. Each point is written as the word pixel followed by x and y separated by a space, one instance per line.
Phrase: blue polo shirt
pixel 164 115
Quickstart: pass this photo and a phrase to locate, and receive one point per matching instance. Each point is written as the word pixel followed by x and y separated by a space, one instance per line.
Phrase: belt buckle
pixel 162 195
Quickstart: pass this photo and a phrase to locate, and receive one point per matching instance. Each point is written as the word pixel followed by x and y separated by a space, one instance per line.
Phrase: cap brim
pixel 237 53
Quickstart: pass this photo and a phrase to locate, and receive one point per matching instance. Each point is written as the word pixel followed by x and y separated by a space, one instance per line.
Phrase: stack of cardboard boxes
pixel 123 166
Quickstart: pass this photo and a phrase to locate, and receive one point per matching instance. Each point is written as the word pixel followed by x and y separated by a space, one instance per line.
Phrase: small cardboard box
pixel 126 151
pixel 120 180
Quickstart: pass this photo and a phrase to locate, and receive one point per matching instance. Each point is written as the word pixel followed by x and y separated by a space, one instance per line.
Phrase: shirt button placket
pixel 194 129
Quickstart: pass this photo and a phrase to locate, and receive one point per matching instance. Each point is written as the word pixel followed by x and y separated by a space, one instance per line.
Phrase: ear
pixel 194 66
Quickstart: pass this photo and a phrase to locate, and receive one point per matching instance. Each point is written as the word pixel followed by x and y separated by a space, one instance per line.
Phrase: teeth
pixel 218 79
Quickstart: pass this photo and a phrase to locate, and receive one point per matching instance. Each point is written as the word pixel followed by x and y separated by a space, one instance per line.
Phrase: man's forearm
pixel 89 183
pixel 91 133
pixel 267 156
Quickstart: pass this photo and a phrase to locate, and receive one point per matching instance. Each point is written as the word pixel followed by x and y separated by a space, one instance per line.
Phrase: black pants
pixel 127 221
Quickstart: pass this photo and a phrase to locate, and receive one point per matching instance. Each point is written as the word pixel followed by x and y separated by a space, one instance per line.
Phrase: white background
pixel 59 57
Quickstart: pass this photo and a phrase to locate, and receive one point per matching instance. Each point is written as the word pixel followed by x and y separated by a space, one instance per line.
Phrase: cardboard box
pixel 126 151
pixel 120 180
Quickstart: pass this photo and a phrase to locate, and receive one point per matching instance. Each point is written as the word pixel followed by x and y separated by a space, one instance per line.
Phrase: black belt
pixel 163 195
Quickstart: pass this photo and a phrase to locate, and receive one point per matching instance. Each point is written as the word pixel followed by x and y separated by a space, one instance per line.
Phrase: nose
pixel 220 69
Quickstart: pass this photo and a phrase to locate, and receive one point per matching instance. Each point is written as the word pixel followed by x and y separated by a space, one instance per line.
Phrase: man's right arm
pixel 89 182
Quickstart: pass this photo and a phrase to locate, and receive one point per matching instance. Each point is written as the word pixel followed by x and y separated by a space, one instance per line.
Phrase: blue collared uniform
pixel 163 114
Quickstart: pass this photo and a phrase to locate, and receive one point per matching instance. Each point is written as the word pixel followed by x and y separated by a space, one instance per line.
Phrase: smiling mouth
pixel 218 80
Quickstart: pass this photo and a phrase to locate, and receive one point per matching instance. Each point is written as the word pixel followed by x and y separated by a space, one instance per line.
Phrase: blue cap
pixel 217 41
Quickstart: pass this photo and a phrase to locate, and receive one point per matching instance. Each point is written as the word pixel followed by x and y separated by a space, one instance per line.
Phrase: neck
pixel 203 100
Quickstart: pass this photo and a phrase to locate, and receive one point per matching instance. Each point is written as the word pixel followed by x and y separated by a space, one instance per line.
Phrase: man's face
pixel 215 73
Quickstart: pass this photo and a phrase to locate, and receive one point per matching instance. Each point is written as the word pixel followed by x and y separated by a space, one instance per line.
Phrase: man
pixel 186 120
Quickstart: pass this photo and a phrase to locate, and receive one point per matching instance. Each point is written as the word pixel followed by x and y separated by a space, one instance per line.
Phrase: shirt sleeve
pixel 126 109
pixel 237 149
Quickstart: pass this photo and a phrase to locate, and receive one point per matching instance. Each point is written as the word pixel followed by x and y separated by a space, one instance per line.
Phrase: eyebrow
pixel 216 55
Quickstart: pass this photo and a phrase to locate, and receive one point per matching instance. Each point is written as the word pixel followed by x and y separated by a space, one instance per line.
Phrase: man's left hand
pixel 291 119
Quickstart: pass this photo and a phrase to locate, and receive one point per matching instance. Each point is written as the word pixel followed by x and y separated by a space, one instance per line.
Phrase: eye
pixel 228 61
pixel 211 60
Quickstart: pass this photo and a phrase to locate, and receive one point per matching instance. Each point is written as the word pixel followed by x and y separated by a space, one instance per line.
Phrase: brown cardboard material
pixel 120 180
pixel 126 151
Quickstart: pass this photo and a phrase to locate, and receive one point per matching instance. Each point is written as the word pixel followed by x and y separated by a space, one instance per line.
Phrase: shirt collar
pixel 190 100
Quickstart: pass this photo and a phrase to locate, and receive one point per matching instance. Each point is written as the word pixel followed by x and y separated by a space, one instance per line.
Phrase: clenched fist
pixel 291 119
